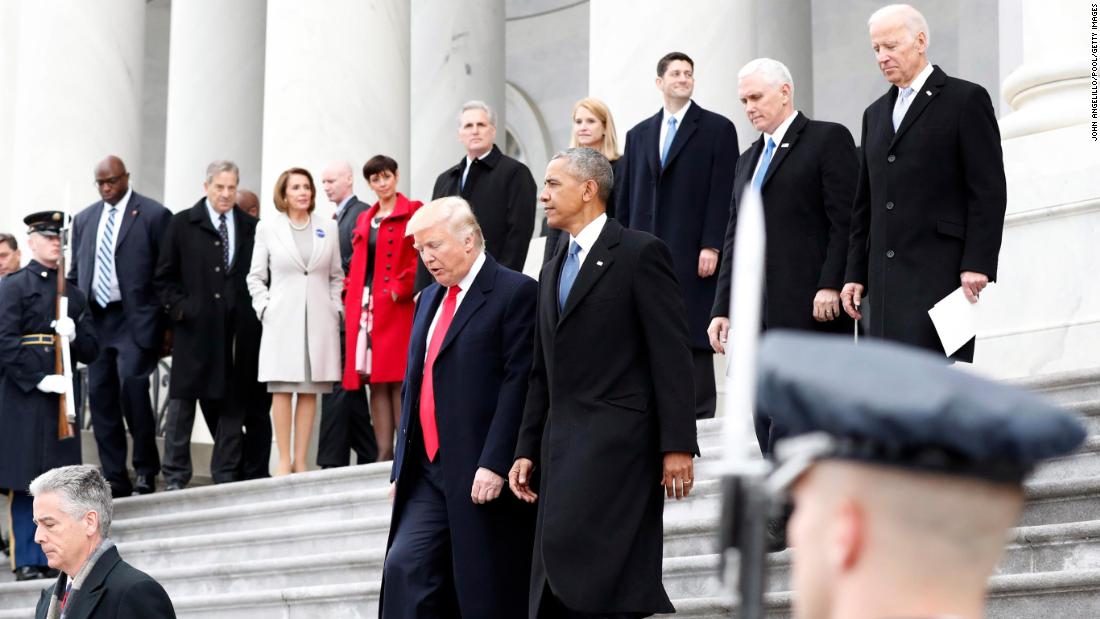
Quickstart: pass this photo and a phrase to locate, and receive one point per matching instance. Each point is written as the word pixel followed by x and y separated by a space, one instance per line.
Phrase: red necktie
pixel 427 390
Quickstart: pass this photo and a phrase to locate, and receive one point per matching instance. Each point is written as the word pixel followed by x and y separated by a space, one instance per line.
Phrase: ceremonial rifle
pixel 66 411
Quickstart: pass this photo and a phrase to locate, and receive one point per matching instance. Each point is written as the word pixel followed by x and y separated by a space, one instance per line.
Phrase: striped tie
pixel 105 261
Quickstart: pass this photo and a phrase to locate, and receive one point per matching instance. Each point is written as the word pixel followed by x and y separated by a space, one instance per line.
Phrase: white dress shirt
pixel 342 205
pixel 777 137
pixel 120 214
pixel 470 162
pixel 464 287
pixel 920 79
pixel 230 226
pixel 664 126
pixel 586 238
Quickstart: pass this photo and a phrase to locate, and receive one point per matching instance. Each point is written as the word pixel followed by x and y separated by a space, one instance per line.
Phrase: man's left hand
pixel 972 284
pixel 826 304
pixel 708 261
pixel 487 485
pixel 679 474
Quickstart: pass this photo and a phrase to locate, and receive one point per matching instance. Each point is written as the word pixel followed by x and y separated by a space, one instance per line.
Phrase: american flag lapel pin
pixel 599 263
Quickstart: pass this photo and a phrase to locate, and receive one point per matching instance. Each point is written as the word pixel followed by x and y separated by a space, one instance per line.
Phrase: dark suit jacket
pixel 140 232
pixel 930 203
pixel 503 195
pixel 346 225
pixel 480 381
pixel 113 590
pixel 807 193
pixel 686 203
pixel 216 339
pixel 611 391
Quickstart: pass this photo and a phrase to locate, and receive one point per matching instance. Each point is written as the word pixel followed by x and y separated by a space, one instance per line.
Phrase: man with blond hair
pixel 930 204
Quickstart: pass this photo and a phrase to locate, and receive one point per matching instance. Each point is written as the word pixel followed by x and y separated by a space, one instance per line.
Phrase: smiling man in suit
pixel 930 203
pixel 676 182
pixel 116 243
pixel 460 545
pixel 610 410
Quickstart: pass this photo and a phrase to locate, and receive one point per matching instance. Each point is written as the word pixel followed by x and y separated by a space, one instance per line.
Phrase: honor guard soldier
pixel 30 385
pixel 907 474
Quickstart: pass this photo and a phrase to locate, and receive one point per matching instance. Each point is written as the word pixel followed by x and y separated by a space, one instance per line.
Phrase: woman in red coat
pixel 379 300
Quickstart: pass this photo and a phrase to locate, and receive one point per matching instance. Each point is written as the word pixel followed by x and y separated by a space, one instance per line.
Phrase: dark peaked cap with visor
pixel 883 403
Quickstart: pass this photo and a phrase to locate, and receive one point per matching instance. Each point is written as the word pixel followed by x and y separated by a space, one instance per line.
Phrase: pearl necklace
pixel 303 227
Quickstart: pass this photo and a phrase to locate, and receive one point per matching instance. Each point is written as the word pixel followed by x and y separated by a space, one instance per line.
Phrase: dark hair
pixel 10 240
pixel 662 64
pixel 284 180
pixel 378 164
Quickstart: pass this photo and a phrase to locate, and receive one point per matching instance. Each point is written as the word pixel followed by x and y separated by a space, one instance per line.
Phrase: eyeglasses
pixel 114 180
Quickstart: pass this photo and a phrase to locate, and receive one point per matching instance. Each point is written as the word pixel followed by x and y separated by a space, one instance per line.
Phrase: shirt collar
pixel 468 280
pixel 679 115
pixel 481 158
pixel 781 130
pixel 215 215
pixel 921 78
pixel 343 203
pixel 586 238
pixel 121 203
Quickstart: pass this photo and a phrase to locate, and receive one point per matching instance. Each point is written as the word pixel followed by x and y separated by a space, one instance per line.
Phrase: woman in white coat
pixel 295 282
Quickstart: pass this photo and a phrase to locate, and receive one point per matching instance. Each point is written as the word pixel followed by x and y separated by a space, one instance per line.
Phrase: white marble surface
pixel 9 39
pixel 457 55
pixel 336 87
pixel 215 94
pixel 78 98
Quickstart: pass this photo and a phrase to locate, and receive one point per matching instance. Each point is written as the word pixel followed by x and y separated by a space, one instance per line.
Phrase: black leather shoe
pixel 145 484
pixel 119 491
pixel 30 572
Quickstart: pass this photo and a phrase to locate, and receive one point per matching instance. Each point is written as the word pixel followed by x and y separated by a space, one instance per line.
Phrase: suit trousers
pixel 550 607
pixel 418 581
pixel 24 551
pixel 118 390
pixel 345 426
pixel 706 395
pixel 178 423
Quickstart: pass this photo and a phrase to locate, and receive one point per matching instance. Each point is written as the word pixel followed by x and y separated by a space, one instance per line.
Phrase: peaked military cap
pixel 884 403
pixel 46 223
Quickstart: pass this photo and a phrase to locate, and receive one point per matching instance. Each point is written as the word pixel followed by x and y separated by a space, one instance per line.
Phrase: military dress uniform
pixel 28 417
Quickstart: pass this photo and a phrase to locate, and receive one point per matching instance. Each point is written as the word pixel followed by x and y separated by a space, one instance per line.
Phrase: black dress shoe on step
pixel 30 572
pixel 145 484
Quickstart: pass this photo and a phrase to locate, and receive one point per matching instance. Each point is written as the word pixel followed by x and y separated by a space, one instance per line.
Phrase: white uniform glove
pixel 52 383
pixel 65 327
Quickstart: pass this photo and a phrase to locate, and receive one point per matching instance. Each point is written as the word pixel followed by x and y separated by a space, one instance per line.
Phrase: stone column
pixel 215 94
pixel 78 98
pixel 623 63
pixel 457 55
pixel 336 86
pixel 10 219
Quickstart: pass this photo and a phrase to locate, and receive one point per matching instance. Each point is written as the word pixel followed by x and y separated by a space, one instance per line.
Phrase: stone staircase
pixel 311 545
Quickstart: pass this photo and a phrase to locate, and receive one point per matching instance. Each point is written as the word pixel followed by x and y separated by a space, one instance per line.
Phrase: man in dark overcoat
pixel 216 336
pixel 930 204
pixel 29 387
pixel 460 543
pixel 500 189
pixel 676 183
pixel 609 411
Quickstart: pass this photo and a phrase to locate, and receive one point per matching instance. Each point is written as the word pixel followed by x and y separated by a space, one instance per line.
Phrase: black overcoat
pixel 686 203
pixel 807 194
pixel 208 304
pixel 611 392
pixel 503 196
pixel 345 224
pixel 113 589
pixel 28 417
pixel 930 204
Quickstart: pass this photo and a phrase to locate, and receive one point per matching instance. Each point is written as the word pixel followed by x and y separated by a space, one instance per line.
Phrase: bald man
pixel 116 242
pixel 248 202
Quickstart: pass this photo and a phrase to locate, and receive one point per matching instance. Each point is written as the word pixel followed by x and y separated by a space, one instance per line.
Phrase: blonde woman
pixel 593 127
pixel 295 283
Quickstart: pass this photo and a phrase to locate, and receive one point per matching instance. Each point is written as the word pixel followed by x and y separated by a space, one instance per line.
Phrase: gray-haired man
pixel 72 510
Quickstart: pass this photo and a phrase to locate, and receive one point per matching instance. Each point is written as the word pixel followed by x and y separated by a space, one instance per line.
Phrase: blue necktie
pixel 765 161
pixel 105 260
pixel 901 106
pixel 568 273
pixel 671 135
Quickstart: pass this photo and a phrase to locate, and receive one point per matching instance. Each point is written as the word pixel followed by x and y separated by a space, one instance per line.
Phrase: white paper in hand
pixel 957 320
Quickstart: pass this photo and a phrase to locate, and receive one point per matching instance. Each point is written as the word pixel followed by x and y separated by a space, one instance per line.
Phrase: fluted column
pixel 78 98
pixel 215 94
pixel 457 55
pixel 336 86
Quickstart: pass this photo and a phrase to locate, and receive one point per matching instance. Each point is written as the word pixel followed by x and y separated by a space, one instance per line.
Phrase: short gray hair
pixel 81 489
pixel 453 210
pixel 912 18
pixel 589 164
pixel 222 165
pixel 476 104
pixel 774 72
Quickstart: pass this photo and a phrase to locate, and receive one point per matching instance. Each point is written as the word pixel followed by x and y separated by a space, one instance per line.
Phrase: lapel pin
pixel 133 213
pixel 928 92
pixel 599 263
pixel 784 145
pixel 320 233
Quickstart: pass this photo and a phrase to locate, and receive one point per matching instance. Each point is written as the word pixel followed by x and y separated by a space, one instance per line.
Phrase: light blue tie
pixel 105 261
pixel 765 161
pixel 671 135
pixel 901 106
pixel 568 273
